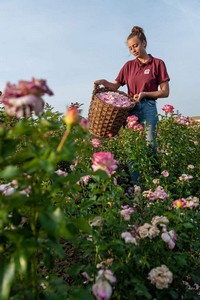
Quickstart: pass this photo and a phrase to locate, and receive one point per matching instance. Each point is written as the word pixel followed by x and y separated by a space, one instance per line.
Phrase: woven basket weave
pixel 105 119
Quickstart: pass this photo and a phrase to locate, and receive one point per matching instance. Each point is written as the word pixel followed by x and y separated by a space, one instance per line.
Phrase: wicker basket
pixel 105 119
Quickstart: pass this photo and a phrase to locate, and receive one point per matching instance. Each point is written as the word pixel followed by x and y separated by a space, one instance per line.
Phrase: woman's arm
pixel 163 92
pixel 110 85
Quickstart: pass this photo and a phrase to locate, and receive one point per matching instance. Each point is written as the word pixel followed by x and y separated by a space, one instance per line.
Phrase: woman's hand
pixel 139 97
pixel 99 82
pixel 109 85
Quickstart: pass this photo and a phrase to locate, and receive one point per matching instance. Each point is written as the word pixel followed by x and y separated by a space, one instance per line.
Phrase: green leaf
pixel 81 294
pixel 188 225
pixel 9 172
pixel 7 278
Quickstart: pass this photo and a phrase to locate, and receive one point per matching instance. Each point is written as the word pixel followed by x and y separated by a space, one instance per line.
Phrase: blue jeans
pixel 146 111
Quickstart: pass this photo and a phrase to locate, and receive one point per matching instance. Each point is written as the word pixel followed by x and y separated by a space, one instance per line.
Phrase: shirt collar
pixel 148 61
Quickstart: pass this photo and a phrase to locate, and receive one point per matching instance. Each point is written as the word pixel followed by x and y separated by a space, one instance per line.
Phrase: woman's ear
pixel 144 44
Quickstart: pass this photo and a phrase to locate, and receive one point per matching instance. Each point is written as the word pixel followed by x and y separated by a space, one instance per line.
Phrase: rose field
pixel 73 223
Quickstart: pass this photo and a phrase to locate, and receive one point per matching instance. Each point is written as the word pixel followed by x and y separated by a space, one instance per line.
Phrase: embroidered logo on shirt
pixel 147 71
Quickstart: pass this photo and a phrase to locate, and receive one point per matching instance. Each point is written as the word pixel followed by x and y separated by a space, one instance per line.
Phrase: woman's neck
pixel 144 59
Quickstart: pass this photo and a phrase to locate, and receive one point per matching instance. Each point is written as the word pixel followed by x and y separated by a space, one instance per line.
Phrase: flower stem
pixel 65 135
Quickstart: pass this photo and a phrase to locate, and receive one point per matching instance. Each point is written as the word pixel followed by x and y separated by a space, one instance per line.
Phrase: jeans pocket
pixel 151 102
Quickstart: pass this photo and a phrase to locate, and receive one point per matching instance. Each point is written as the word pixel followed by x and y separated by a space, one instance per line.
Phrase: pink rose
pixel 169 109
pixel 104 161
pixel 25 97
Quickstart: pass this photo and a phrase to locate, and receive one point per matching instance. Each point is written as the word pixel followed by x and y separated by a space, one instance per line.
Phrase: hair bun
pixel 137 29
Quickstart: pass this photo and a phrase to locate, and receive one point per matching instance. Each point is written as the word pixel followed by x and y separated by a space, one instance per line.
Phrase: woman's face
pixel 136 47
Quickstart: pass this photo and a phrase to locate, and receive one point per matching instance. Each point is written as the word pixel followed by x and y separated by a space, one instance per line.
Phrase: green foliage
pixel 40 208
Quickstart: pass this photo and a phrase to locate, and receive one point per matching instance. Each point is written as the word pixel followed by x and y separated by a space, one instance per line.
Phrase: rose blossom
pixel 185 177
pixel 183 120
pixel 96 222
pixel 22 99
pixel 87 277
pixel 169 238
pixel 107 274
pixel 127 236
pixel 132 123
pixel 96 142
pixel 102 288
pixel 85 179
pixel 159 193
pixel 160 220
pixel 156 181
pixel 61 173
pixel 126 212
pixel 192 202
pixel 83 123
pixel 161 277
pixel 71 116
pixel 148 230
pixel 165 173
pixel 104 161
pixel 190 166
pixel 179 203
pixel 169 109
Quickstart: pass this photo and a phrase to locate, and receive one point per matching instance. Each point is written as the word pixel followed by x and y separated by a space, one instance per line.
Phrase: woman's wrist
pixel 144 95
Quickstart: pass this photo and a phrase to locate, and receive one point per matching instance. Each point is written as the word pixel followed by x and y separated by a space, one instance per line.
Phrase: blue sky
pixel 71 43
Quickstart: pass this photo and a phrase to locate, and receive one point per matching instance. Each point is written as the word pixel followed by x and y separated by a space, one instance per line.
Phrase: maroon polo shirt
pixel 143 77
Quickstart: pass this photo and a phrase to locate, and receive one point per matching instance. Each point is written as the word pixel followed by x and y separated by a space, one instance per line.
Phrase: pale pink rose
pixel 85 179
pixel 96 142
pixel 169 238
pixel 87 277
pixel 161 277
pixel 185 177
pixel 126 212
pixel 137 189
pixel 156 181
pixel 23 99
pixel 159 193
pixel 190 167
pixel 24 106
pixel 159 220
pixel 26 192
pixel 104 161
pixel 127 236
pixel 102 289
pixel 34 87
pixel 61 173
pixel 183 120
pixel 192 202
pixel 148 230
pixel 96 222
pixel 84 123
pixel 169 109
pixel 9 191
pixel 165 173
pixel 107 274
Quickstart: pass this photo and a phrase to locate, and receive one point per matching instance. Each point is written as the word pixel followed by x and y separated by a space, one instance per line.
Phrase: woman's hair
pixel 139 32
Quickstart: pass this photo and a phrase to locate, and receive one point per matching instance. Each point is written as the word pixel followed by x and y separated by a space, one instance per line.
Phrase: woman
pixel 146 78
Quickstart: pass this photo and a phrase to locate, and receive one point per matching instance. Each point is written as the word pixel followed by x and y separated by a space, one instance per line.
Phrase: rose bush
pixel 58 183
